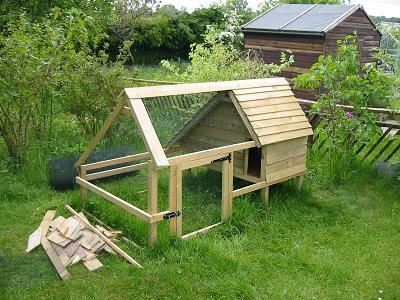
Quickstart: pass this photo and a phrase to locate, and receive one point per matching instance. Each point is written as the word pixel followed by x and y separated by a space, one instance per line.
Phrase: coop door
pixel 254 162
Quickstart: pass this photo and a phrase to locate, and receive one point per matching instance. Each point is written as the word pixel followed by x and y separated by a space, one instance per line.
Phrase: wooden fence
pixel 383 146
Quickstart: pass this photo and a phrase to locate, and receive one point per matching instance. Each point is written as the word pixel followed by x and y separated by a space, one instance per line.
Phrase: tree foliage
pixel 49 68
pixel 220 57
pixel 342 79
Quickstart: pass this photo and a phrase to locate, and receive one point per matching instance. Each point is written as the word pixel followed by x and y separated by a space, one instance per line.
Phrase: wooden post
pixel 83 190
pixel 175 199
pixel 264 193
pixel 172 198
pixel 227 188
pixel 179 201
pixel 299 182
pixel 152 201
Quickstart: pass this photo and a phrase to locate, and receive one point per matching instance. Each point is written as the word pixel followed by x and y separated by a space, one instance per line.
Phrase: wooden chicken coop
pixel 251 129
pixel 308 31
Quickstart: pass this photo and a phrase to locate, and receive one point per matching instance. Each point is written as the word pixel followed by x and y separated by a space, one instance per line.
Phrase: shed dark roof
pixel 311 19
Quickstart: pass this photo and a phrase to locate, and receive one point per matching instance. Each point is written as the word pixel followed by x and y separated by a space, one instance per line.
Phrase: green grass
pixel 336 243
pixel 337 239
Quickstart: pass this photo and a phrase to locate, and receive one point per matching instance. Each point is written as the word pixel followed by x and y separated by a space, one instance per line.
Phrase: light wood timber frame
pixel 271 121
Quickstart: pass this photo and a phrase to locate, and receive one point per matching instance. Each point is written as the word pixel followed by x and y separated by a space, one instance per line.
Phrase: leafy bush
pixel 90 88
pixel 49 68
pixel 336 80
pixel 342 79
pixel 220 58
pixel 28 87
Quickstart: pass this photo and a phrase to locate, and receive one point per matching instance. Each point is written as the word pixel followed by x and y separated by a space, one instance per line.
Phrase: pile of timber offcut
pixel 68 241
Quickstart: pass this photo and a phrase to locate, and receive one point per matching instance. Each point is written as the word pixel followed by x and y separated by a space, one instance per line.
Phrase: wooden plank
pixel 209 140
pixel 354 26
pixel 250 188
pixel 210 152
pixel 284 154
pixel 271 177
pixel 104 238
pixel 274 115
pixel 270 139
pixel 307 39
pixel 285 44
pixel 51 253
pixel 244 118
pixel 204 87
pixel 287 163
pixel 124 159
pixel 278 121
pixel 282 128
pixel 116 171
pixel 263 89
pixel 92 264
pixel 158 217
pixel 200 231
pixel 271 109
pixel 152 202
pixel 116 161
pixel 266 102
pixel 264 195
pixel 222 134
pixel 102 131
pixel 297 70
pixel 299 182
pixel 202 161
pixel 265 95
pixel 251 46
pixel 179 201
pixel 34 239
pixel 227 189
pixel 172 197
pixel 149 135
pixel 114 199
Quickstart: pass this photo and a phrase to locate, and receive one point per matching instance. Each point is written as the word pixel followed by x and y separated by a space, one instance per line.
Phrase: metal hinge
pixel 229 157
pixel 171 215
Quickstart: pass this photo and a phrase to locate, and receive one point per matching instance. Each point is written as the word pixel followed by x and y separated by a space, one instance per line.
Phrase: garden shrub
pixel 342 79
pixel 51 68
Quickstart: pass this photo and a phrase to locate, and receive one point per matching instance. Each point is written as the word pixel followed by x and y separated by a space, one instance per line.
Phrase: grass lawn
pixel 338 243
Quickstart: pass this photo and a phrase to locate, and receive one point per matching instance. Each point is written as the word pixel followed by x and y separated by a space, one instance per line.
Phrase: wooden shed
pixel 250 129
pixel 309 30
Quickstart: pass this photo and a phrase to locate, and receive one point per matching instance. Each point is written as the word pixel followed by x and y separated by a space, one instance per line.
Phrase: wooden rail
pixel 114 199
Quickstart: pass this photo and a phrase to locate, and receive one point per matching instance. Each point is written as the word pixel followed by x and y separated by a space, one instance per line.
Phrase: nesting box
pixel 269 115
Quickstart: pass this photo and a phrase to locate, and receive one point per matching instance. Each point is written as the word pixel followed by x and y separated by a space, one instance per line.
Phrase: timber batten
pixel 250 129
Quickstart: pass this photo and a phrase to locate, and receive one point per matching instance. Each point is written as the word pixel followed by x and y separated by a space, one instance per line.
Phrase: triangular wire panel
pixel 149 135
pixel 195 119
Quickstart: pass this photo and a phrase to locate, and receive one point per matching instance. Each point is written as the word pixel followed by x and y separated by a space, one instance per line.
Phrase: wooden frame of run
pixel 131 103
